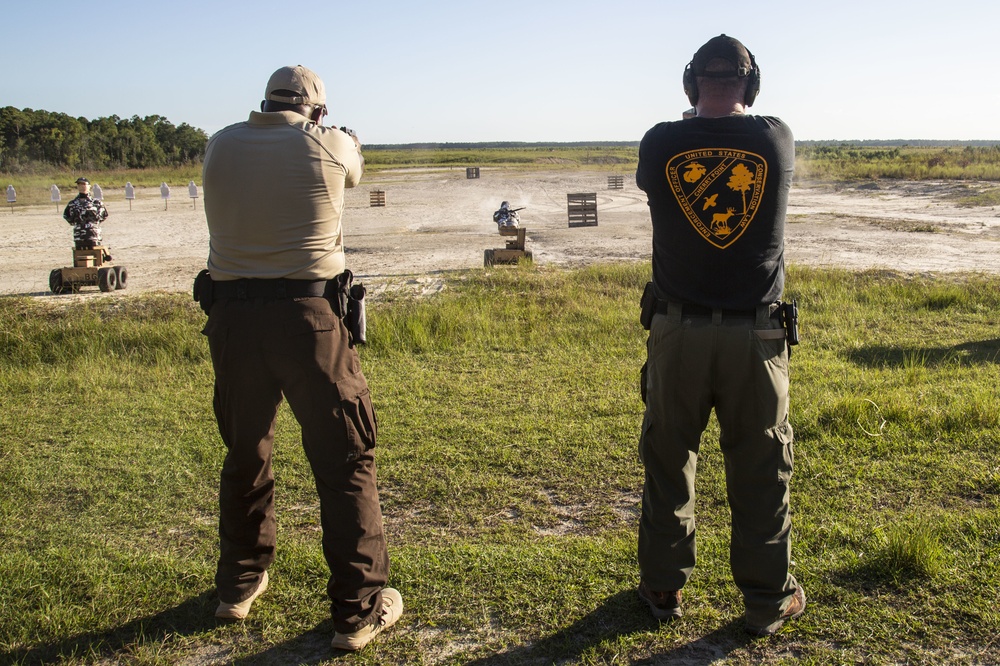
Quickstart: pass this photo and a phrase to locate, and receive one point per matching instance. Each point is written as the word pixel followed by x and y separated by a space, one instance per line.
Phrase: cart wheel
pixel 55 281
pixel 107 279
pixel 488 258
pixel 122 274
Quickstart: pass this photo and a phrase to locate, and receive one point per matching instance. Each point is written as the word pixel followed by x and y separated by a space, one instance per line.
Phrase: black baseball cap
pixel 722 47
pixel 81 179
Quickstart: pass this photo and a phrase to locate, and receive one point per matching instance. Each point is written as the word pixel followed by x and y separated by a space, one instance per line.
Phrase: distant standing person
pixel 717 184
pixel 274 197
pixel 85 213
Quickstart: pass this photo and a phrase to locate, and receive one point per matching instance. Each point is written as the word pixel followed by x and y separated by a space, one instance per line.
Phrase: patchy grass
pixel 510 481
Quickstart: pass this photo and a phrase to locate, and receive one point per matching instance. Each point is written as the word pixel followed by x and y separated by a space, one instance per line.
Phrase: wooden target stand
pixel 514 250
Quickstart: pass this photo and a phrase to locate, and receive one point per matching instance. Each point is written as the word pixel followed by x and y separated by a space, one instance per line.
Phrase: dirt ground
pixel 437 221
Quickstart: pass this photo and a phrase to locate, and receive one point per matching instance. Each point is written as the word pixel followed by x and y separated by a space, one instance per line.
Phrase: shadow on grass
pixel 311 647
pixel 619 616
pixel 194 616
pixel 880 573
pixel 191 618
pixel 968 353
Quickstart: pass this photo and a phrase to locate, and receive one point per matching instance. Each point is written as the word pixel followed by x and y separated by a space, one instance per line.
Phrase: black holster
pixel 790 320
pixel 202 290
pixel 647 306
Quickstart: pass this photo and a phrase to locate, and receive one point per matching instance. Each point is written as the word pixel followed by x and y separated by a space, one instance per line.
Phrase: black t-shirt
pixel 718 192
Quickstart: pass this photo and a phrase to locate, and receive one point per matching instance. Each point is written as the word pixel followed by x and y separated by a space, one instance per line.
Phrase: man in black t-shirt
pixel 718 185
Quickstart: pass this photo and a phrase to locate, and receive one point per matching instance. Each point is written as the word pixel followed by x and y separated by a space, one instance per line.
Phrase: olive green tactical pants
pixel 696 364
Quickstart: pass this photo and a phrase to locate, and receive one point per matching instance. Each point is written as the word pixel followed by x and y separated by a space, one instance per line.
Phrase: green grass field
pixel 509 415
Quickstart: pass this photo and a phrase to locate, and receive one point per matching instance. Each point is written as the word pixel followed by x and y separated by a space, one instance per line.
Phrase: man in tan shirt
pixel 274 197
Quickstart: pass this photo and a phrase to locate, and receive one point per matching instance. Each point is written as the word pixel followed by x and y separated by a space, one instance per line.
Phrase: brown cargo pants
pixel 296 348
pixel 695 364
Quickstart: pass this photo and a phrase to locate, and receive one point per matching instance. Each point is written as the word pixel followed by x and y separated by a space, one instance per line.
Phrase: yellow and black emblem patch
pixel 719 191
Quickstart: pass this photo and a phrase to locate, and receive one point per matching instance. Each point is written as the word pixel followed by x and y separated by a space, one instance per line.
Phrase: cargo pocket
pixel 358 413
pixel 771 344
pixel 784 437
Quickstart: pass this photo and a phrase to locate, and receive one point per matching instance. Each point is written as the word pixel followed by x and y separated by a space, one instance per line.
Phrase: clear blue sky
pixel 517 70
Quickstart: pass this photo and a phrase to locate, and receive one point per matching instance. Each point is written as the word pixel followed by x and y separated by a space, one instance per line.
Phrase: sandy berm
pixel 437 221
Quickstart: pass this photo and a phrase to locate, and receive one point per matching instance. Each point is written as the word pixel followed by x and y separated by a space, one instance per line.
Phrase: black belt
pixel 692 310
pixel 250 289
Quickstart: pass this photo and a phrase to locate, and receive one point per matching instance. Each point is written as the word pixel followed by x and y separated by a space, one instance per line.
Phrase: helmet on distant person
pixel 504 205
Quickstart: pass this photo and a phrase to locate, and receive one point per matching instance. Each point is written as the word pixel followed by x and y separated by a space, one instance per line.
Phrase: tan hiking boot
pixel 392 608
pixel 664 605
pixel 795 609
pixel 240 610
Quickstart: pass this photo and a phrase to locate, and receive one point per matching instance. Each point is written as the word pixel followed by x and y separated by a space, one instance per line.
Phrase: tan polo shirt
pixel 274 197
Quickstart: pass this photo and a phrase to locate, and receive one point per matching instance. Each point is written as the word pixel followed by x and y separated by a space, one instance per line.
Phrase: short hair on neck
pixel 274 105
pixel 271 105
pixel 725 85
pixel 720 65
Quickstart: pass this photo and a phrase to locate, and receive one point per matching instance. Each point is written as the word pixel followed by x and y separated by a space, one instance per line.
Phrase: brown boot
pixel 664 605
pixel 795 609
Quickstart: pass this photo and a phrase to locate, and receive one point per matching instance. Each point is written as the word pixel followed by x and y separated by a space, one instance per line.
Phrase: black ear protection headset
pixel 752 76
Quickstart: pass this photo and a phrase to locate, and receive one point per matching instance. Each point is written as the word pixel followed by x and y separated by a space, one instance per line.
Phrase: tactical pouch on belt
pixel 348 302
pixel 647 306
pixel 202 291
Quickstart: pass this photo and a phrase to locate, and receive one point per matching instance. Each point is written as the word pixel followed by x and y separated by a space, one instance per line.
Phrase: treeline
pixel 501 145
pixel 858 161
pixel 31 139
pixel 899 143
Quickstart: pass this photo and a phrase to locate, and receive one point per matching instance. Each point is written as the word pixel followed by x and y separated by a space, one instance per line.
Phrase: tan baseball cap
pixel 299 80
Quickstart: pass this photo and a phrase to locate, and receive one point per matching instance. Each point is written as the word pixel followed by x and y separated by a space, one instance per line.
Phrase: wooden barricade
pixel 616 182
pixel 512 253
pixel 471 172
pixel 376 198
pixel 582 209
